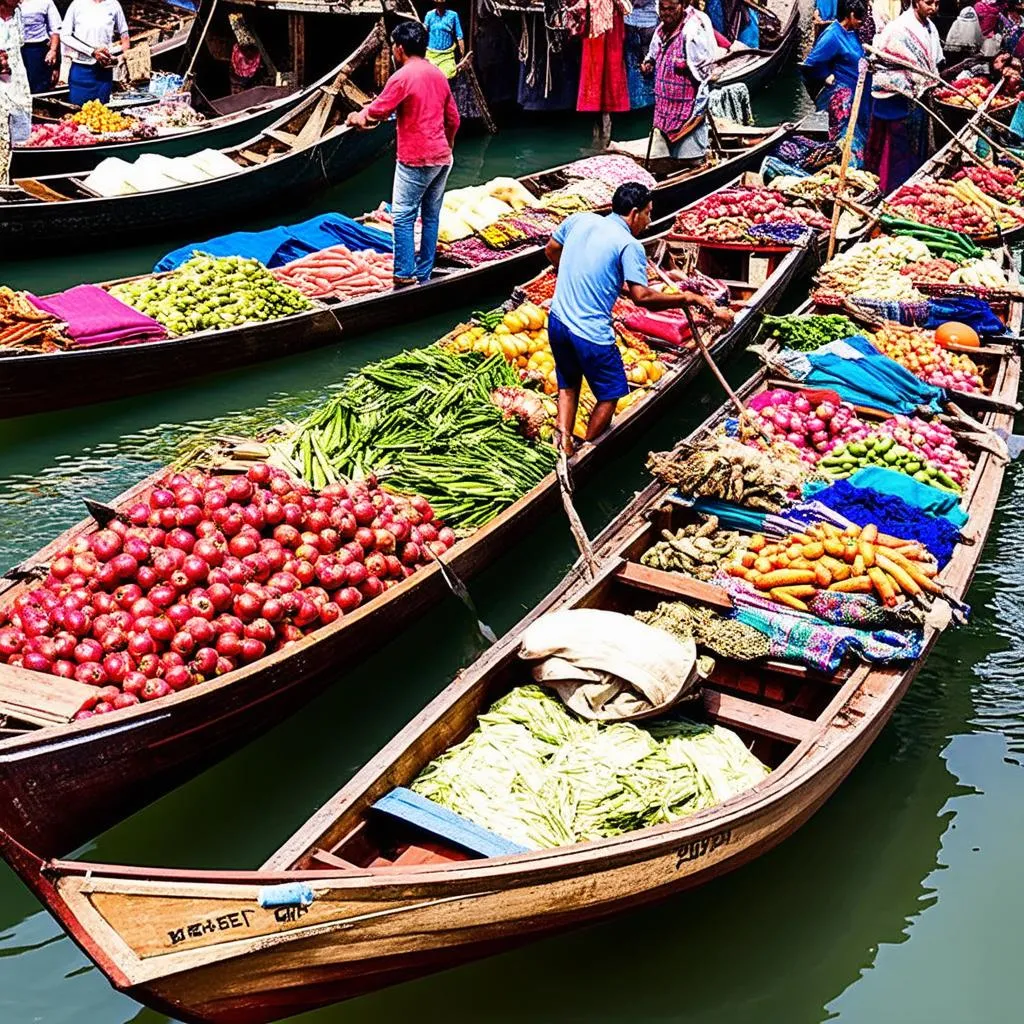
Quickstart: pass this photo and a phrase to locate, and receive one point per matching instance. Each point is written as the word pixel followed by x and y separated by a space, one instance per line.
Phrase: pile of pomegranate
pixel 204 574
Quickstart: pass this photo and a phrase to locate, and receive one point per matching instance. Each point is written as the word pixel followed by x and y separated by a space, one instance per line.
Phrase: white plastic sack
pixel 608 666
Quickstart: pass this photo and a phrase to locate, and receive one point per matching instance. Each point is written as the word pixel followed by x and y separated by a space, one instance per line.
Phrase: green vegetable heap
pixel 424 420
pixel 876 450
pixel 210 293
pixel 809 333
pixel 534 773
pixel 727 637
pixel 697 550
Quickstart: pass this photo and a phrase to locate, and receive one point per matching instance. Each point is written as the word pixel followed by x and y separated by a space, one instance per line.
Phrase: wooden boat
pixel 231 120
pixel 33 382
pixel 166 27
pixel 365 895
pixel 100 770
pixel 755 68
pixel 956 116
pixel 307 149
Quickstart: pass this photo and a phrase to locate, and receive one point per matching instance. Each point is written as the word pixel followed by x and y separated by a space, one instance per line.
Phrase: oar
pixel 579 532
pixel 699 341
pixel 458 588
pixel 956 138
pixel 851 128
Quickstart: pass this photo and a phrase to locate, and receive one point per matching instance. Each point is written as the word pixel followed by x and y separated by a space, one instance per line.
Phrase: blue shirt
pixel 40 19
pixel 443 29
pixel 837 52
pixel 826 9
pixel 599 255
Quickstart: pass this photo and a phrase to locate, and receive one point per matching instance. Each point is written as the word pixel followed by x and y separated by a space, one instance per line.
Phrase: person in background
pixel 681 54
pixel 595 257
pixel 826 12
pixel 90 30
pixel 640 25
pixel 427 122
pixel 835 61
pixel 885 11
pixel 15 95
pixel 444 38
pixel 42 43
pixel 899 137
pixel 246 58
pixel 735 22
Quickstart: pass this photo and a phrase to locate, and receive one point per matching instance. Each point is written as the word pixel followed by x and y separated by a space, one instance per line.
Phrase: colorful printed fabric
pixel 603 88
pixel 612 169
pixel 472 251
pixel 802 637
pixel 896 148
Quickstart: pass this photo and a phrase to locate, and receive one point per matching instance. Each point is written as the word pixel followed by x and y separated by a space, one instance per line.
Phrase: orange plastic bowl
pixel 953 333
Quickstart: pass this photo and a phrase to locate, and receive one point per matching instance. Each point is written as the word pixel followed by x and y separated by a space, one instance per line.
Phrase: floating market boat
pixel 99 770
pixel 383 885
pixel 32 382
pixel 957 112
pixel 229 120
pixel 309 148
pixel 755 68
pixel 166 27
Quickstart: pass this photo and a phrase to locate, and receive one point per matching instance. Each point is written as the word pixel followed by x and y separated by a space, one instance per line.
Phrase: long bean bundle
pixel 536 774
pixel 424 421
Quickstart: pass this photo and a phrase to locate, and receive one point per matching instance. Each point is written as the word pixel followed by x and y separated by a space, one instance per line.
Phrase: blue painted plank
pixel 410 807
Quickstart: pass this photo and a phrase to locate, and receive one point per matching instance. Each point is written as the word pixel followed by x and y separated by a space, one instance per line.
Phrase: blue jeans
pixel 417 191
pixel 89 82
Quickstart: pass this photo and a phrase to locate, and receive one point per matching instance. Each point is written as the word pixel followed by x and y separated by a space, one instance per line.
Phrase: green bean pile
pixel 423 421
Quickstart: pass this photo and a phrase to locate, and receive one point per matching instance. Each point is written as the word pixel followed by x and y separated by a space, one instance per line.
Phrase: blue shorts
pixel 576 359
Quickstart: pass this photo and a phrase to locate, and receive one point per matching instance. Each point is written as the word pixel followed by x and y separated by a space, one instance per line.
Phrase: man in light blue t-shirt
pixel 595 258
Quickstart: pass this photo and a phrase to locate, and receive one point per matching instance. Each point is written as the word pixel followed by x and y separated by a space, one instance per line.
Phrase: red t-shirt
pixel 427 116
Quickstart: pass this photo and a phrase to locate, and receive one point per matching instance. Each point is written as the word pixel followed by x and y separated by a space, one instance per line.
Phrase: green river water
pixel 898 902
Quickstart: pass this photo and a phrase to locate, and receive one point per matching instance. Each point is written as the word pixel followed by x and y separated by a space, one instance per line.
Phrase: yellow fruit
pixel 502 329
pixel 508 349
pixel 522 345
pixel 481 345
pixel 514 322
pixel 637 375
pixel 656 371
pixel 464 340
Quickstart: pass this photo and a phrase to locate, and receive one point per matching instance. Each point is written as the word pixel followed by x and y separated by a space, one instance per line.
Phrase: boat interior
pixel 318 116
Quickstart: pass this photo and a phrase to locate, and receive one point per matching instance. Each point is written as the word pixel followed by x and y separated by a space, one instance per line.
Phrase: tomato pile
pixel 204 574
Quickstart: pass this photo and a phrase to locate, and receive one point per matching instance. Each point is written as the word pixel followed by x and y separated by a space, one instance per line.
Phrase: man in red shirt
pixel 427 122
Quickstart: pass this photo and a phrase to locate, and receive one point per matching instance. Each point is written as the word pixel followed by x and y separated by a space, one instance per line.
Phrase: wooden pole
pixel 851 128
pixel 199 45
pixel 579 533
pixel 956 138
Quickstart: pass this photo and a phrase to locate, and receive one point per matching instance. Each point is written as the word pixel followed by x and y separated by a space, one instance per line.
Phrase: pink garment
pixel 427 116
pixel 95 317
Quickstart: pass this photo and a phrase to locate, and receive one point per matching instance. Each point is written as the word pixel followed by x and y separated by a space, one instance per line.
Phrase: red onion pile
pixel 208 574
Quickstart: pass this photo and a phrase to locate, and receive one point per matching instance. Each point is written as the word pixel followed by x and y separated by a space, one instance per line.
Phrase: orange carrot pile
pixel 339 273
pixel 853 561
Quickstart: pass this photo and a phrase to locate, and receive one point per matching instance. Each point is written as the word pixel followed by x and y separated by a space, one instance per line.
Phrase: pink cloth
pixel 427 116
pixel 95 317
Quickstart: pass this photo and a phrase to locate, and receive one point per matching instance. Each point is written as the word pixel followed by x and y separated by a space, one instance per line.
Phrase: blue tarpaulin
pixel 863 376
pixel 277 246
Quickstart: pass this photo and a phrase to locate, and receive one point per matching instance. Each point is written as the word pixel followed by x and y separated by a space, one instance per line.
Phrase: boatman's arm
pixel 383 106
pixel 553 250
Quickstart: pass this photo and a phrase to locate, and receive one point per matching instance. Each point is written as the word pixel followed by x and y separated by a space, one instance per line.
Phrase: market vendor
pixel 596 257
pixel 681 54
pixel 427 119
pixel 444 37
pixel 899 139
pixel 91 29
pixel 835 62
pixel 42 42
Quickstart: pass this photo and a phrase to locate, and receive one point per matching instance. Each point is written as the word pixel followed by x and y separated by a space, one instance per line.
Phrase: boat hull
pixel 35 382
pixel 33 228
pixel 39 161
pixel 67 785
